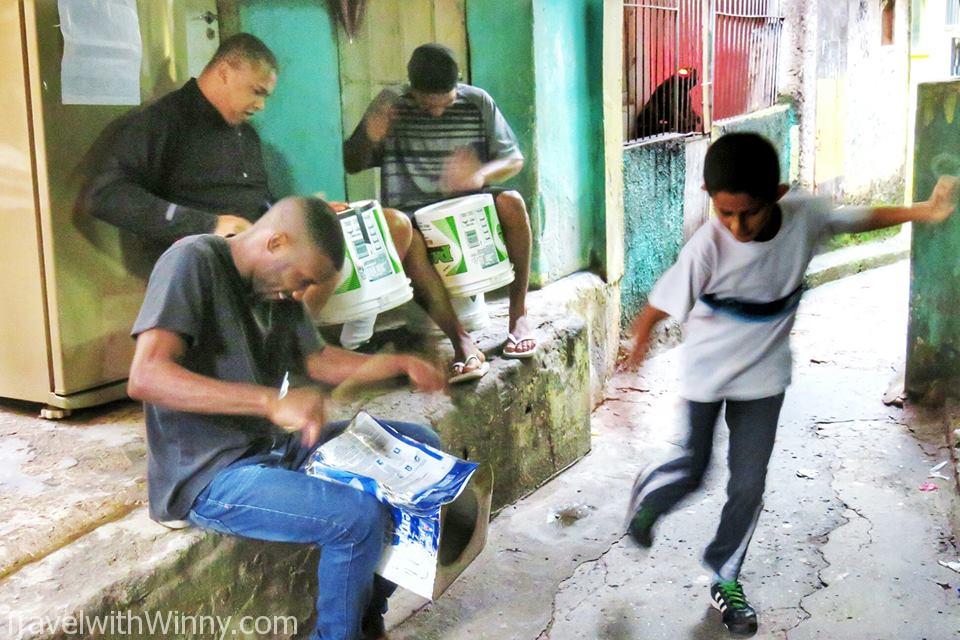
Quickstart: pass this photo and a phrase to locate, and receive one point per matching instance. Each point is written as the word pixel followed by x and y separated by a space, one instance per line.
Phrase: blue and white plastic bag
pixel 411 478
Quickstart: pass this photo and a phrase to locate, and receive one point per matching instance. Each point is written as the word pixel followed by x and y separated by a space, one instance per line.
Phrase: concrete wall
pixel 301 125
pixel 654 183
pixel 551 93
pixel 850 93
pixel 568 39
pixel 612 61
pixel 877 106
pixel 933 331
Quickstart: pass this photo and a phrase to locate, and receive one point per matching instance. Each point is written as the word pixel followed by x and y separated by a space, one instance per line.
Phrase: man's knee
pixel 401 229
pixel 365 518
pixel 427 436
pixel 511 209
pixel 748 490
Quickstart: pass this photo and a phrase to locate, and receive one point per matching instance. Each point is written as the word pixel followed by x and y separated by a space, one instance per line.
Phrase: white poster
pixel 101 52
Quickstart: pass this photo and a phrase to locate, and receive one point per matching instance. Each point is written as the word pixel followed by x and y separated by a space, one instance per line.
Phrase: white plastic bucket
pixel 372 279
pixel 465 244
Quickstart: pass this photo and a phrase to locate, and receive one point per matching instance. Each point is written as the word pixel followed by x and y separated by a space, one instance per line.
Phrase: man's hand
pixel 461 172
pixel 230 225
pixel 943 200
pixel 637 353
pixel 379 116
pixel 372 370
pixel 424 375
pixel 338 206
pixel 302 409
pixel 642 327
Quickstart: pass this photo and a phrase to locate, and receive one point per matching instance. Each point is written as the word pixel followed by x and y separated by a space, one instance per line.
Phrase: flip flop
pixel 459 375
pixel 509 347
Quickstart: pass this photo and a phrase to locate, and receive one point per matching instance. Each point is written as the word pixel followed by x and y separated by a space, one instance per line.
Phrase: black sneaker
pixel 641 526
pixel 738 616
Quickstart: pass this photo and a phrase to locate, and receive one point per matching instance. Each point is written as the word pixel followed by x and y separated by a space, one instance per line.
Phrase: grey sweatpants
pixel 753 427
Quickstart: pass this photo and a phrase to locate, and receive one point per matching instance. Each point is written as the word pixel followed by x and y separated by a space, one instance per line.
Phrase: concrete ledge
pixel 529 419
pixel 848 261
pixel 135 567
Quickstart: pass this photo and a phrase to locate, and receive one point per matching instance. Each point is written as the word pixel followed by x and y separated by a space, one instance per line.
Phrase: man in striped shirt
pixel 438 140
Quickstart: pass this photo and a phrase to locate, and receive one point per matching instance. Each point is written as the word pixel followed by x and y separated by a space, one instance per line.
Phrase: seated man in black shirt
pixel 190 162
pixel 225 447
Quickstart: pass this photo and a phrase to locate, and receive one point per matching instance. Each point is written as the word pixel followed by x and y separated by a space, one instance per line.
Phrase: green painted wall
pixel 567 57
pixel 541 61
pixel 653 188
pixel 301 124
pixel 933 331
pixel 498 32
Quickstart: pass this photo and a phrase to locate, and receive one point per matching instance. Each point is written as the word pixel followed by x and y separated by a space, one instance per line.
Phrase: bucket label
pixel 468 238
pixel 446 253
pixel 493 223
pixel 479 237
pixel 364 236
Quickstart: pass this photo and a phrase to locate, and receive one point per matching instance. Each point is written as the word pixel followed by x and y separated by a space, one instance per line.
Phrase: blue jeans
pixel 267 496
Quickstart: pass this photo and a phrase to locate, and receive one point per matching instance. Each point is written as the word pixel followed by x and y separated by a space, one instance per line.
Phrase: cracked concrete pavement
pixel 847 546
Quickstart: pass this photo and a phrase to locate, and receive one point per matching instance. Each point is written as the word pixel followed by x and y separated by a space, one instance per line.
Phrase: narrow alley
pixel 847 547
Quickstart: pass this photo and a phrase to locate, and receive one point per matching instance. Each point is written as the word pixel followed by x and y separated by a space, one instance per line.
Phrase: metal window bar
pixel 953 13
pixel 955 57
pixel 662 61
pixel 746 41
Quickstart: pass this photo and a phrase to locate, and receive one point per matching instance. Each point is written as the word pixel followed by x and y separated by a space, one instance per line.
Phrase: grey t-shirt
pixel 413 154
pixel 196 291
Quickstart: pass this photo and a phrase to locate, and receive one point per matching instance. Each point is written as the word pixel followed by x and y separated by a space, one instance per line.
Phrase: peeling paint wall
pixel 933 331
pixel 850 93
pixel 877 106
pixel 654 183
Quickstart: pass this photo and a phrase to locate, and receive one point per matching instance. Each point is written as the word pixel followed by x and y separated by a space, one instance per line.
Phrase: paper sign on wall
pixel 102 50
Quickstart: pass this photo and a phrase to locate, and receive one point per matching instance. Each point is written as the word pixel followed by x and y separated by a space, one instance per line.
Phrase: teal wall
pixel 301 124
pixel 933 331
pixel 653 189
pixel 498 32
pixel 540 60
pixel 568 36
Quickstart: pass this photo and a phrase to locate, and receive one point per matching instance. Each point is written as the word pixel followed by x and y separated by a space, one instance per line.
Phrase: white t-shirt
pixel 728 357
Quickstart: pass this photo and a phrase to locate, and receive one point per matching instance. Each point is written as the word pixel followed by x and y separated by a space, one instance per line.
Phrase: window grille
pixel 955 57
pixel 746 55
pixel 953 13
pixel 663 62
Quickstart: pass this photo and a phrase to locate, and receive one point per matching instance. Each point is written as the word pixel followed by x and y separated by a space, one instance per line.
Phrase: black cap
pixel 433 69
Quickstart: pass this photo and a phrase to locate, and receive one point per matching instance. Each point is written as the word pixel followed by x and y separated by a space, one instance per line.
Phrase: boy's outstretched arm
pixel 642 326
pixel 938 208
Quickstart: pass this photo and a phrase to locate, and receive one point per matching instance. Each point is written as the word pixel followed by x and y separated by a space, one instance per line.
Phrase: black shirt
pixel 175 165
pixel 196 291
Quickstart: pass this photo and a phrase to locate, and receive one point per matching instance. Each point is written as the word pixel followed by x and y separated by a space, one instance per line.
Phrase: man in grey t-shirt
pixel 437 140
pixel 221 327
